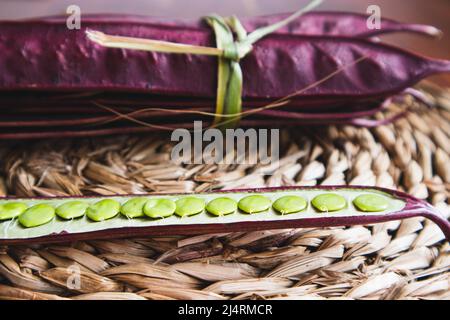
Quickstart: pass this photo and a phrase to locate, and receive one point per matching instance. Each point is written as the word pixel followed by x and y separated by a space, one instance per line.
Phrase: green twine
pixel 233 43
pixel 230 78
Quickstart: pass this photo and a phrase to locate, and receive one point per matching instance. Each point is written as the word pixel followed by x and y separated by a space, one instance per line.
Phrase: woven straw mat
pixel 396 260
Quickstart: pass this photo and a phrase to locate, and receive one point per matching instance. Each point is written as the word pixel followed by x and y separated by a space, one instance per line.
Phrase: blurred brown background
pixel 434 12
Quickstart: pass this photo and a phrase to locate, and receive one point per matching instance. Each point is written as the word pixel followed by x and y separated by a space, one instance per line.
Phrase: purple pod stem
pixel 338 24
pixel 317 23
pixel 79 119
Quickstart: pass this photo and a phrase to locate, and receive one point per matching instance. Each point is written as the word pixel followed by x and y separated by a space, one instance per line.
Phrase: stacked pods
pixel 56 83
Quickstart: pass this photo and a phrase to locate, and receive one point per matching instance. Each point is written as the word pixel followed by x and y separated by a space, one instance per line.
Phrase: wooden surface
pixel 434 12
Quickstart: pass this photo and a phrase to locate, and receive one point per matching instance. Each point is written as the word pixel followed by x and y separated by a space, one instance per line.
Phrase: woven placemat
pixel 397 260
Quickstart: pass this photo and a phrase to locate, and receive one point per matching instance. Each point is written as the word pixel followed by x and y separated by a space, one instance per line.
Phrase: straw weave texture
pixel 397 260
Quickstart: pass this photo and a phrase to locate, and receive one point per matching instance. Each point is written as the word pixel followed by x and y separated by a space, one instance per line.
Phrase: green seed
pixel 11 210
pixel 371 203
pixel 159 208
pixel 103 210
pixel 254 203
pixel 289 204
pixel 329 202
pixel 189 206
pixel 134 208
pixel 221 206
pixel 37 215
pixel 72 209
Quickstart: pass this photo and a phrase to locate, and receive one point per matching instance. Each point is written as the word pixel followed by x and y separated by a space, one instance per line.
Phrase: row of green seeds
pixel 155 208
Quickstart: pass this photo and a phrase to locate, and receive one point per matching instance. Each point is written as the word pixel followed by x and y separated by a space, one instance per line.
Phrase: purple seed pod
pixel 395 205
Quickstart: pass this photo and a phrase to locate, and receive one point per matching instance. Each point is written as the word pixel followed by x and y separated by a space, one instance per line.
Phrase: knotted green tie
pixel 229 50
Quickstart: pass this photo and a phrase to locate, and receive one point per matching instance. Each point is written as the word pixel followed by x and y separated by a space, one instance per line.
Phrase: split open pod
pixel 82 218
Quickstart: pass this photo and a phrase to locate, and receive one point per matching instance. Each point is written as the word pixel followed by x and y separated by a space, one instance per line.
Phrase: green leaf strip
pixel 228 50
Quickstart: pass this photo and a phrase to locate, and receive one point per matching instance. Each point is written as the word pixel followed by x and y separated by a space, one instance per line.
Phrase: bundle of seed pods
pixel 63 219
pixel 326 67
